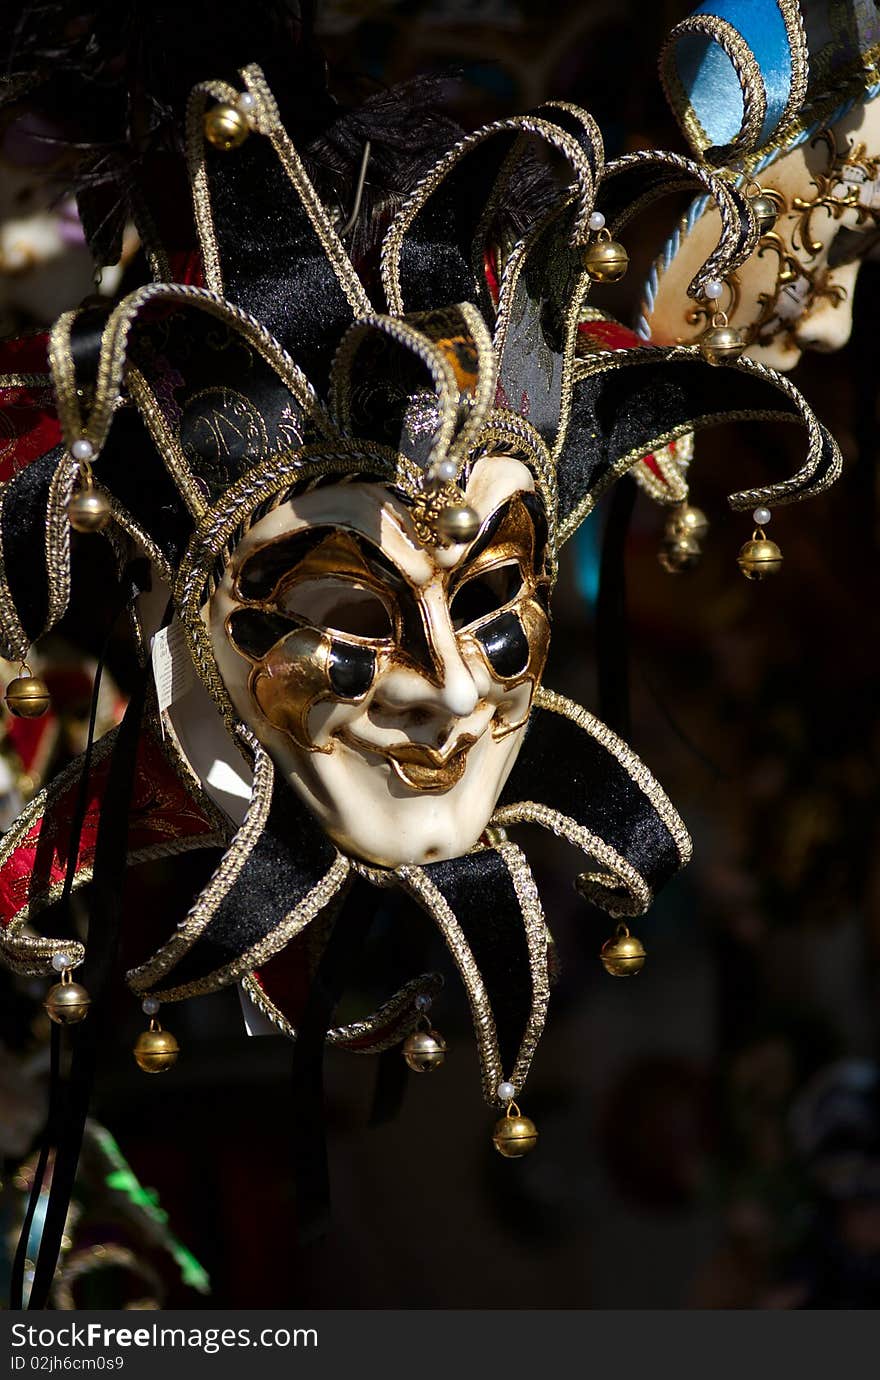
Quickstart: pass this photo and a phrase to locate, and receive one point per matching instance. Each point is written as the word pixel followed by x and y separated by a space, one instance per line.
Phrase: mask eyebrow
pixel 337 550
pixel 515 530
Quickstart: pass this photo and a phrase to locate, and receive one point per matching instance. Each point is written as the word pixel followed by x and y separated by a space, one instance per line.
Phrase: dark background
pixel 667 1175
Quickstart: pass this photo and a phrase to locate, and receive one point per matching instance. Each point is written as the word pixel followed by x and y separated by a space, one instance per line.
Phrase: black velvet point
pixel 480 891
pixel 26 499
pixel 291 856
pixel 562 766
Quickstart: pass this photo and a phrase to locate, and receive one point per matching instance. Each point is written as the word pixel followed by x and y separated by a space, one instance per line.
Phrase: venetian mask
pixel 391 681
pixel 796 292
pixel 782 99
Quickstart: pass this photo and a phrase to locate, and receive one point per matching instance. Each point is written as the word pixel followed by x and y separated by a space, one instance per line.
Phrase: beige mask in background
pixel 796 292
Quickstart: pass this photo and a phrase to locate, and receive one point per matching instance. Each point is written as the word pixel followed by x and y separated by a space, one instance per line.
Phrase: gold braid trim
pixel 631 763
pixel 536 939
pixel 268 121
pixel 739 228
pixel 200 915
pixel 563 142
pixel 417 882
pixel 741 58
pixel 434 360
pixel 791 490
pixel 397 1016
pixel 32 954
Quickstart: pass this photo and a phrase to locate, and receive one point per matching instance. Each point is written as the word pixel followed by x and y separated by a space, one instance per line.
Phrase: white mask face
pixel 391 682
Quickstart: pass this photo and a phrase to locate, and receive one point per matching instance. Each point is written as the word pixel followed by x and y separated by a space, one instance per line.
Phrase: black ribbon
pixel 335 968
pixel 612 632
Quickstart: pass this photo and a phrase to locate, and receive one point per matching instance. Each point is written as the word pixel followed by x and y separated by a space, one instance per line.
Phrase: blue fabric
pixel 710 80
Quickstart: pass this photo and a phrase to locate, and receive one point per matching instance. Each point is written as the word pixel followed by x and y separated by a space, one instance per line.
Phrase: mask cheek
pixel 306 668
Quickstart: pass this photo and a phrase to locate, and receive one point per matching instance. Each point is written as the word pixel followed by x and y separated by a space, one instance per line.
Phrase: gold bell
pixel 27 697
pixel 458 523
pixel 155 1050
pixel 721 343
pixel 424 1050
pixel 225 127
pixel 88 510
pixel 760 557
pixel 765 212
pixel 68 1002
pixel 514 1135
pixel 623 955
pixel 686 520
pixel 605 259
pixel 679 553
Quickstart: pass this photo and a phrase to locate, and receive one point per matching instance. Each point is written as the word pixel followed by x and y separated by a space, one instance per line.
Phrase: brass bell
pixel 424 1050
pixel 679 553
pixel 67 1003
pixel 686 520
pixel 721 343
pixel 458 523
pixel 514 1134
pixel 605 259
pixel 765 211
pixel 623 955
pixel 156 1050
pixel 88 510
pixel 225 127
pixel 759 558
pixel 27 697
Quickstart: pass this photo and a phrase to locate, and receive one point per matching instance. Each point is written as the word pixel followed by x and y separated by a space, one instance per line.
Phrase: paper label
pixel 173 670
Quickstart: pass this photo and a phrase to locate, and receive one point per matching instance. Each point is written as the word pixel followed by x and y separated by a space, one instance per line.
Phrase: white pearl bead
pixel 82 449
pixel 246 102
pixel 444 469
pixel 762 516
pixel 714 289
pixel 423 1002
pixel 150 1006
pixel 597 221
pixel 506 1092
pixel 61 962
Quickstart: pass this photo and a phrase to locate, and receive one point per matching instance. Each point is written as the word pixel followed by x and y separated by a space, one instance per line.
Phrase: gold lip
pixel 418 766
pixel 437 780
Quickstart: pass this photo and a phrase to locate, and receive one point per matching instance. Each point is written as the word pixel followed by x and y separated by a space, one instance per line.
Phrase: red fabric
pixel 611 335
pixel 28 420
pixel 29 354
pixel 162 812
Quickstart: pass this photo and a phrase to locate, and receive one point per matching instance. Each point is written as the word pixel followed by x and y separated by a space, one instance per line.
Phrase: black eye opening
pixel 337 604
pixel 485 594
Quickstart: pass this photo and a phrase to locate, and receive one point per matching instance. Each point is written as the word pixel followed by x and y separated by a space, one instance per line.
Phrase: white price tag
pixel 173 670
